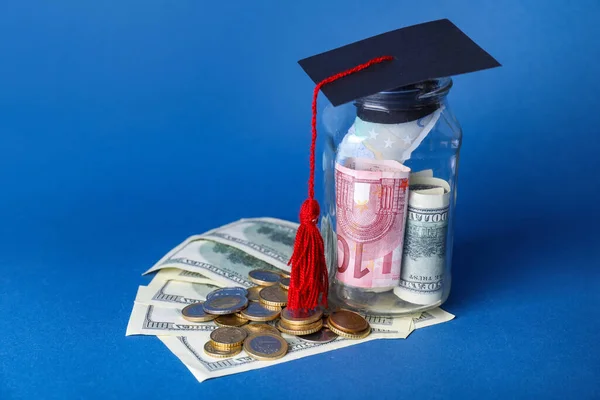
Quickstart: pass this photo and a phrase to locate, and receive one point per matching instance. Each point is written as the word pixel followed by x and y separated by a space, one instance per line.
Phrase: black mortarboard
pixel 421 52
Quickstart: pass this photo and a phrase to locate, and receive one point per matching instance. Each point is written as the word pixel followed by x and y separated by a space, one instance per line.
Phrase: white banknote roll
pixel 424 255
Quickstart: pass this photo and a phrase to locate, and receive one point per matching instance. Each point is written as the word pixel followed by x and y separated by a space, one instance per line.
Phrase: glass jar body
pixel 390 165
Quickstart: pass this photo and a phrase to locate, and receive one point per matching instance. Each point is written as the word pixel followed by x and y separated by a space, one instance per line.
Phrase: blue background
pixel 126 126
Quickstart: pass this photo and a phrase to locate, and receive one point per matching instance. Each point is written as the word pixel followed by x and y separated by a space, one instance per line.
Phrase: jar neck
pixel 405 104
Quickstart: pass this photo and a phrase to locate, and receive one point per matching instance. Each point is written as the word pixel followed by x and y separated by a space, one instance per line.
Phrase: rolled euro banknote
pixel 370 219
pixel 424 255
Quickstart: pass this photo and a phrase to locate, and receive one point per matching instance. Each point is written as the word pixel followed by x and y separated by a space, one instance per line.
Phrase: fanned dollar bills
pixel 224 257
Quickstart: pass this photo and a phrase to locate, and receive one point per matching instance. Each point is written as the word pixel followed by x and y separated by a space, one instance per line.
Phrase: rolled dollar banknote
pixel 424 255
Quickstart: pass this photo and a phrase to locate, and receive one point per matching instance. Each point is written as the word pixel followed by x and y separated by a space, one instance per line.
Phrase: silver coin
pixel 195 313
pixel 258 312
pixel 264 277
pixel 322 336
pixel 220 305
pixel 227 291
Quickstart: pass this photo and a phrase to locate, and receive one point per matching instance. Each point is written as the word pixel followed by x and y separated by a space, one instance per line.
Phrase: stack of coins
pixel 225 342
pixel 254 317
pixel 300 323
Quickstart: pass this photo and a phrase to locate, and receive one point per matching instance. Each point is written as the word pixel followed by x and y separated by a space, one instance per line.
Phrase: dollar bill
pixel 432 317
pixel 177 274
pixel 189 349
pixel 425 172
pixel 268 239
pixel 153 320
pixel 215 261
pixel 172 293
pixel 424 258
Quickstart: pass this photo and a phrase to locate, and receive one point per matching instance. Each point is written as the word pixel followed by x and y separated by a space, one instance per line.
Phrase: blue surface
pixel 126 126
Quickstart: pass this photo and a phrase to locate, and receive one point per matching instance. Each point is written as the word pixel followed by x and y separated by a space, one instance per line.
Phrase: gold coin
pixel 260 312
pixel 265 346
pixel 195 313
pixel 348 321
pixel 299 317
pixel 219 346
pixel 355 336
pixel 230 320
pixel 228 337
pixel 273 296
pixel 253 293
pixel 260 328
pixel 302 330
pixel 284 283
pixel 293 327
pixel 212 351
pixel 263 277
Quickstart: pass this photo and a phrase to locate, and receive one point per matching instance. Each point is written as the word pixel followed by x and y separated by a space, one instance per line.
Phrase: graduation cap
pixel 421 52
pixel 385 62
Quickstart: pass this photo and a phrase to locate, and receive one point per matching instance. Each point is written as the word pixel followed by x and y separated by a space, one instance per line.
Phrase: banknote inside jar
pixel 371 202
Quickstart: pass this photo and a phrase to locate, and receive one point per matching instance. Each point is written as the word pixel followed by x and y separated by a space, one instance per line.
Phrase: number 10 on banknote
pixel 371 202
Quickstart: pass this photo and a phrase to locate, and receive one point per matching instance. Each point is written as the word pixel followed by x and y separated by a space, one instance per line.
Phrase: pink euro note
pixel 371 199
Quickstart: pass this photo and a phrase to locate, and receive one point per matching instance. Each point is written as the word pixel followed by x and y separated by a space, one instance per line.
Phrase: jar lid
pixel 404 104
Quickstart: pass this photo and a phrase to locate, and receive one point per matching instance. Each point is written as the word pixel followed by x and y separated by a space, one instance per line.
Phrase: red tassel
pixel 309 279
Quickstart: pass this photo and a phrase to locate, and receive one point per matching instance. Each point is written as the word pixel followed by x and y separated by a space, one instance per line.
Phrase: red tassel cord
pixel 309 278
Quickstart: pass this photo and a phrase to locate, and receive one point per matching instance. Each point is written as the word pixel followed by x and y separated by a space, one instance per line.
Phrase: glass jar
pixel 390 163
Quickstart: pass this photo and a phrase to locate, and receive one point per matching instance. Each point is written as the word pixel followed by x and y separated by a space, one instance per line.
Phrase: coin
pixel 260 312
pixel 228 291
pixel 230 320
pixel 348 321
pixel 311 326
pixel 273 296
pixel 323 336
pixel 228 337
pixel 263 277
pixel 299 330
pixel 265 346
pixel 221 305
pixel 299 317
pixel 195 313
pixel 260 328
pixel 213 351
pixel 358 335
pixel 253 292
pixel 284 283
